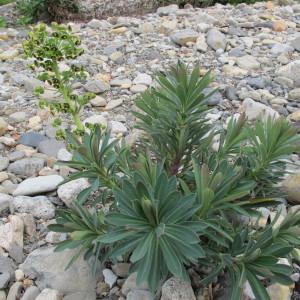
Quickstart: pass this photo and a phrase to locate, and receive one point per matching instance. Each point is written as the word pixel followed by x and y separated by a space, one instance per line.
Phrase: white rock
pixel 96 119
pixel 5 201
pixel 117 127
pixel 38 185
pixel 49 294
pixel 143 78
pixel 98 101
pixel 19 275
pixel 215 39
pixel 174 288
pixel 109 277
pixel 113 104
pixel 69 191
pixel 64 155
pixel 291 70
pixel 40 207
pixel 255 110
pixel 12 233
pixel 247 62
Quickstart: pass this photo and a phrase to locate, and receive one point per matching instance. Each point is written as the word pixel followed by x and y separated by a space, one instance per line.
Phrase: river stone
pixel 38 185
pixel 69 191
pixel 3 126
pixel 215 39
pixel 247 62
pixel 49 294
pixel 130 284
pixel 174 288
pixel 139 295
pixel 51 147
pixel 96 86
pixel 31 293
pixel 49 269
pixel 292 187
pixel 183 37
pixel 89 295
pixel 26 167
pixel 4 162
pixel 291 70
pixel 255 110
pixel 296 43
pixel 31 139
pixel 5 201
pixel 39 206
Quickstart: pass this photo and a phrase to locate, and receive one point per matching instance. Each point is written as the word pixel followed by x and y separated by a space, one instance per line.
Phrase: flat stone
pixel 138 88
pixel 183 37
pixel 174 288
pixel 11 233
pixel 294 94
pixel 291 70
pixel 113 104
pixel 17 117
pixel 16 155
pixel 234 71
pixel 49 268
pixel 7 266
pixel 292 187
pixel 143 78
pixel 255 110
pixel 4 162
pixel 123 83
pixel 4 280
pixel 109 277
pixel 26 167
pixel 31 293
pixel 247 62
pixel 39 206
pixel 32 139
pixel 97 86
pixel 117 127
pixel 215 39
pixel 9 54
pixel 38 185
pixel 98 101
pixel 295 116
pixel 5 201
pixel 15 291
pixel 140 295
pixel 296 43
pixel 90 295
pixel 167 10
pixel 121 269
pixel 51 147
pixel 49 294
pixel 3 126
pixel 96 119
pixel 215 98
pixel 69 191
pixel 130 284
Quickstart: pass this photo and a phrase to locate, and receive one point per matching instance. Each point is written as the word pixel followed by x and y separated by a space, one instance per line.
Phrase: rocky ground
pixel 254 52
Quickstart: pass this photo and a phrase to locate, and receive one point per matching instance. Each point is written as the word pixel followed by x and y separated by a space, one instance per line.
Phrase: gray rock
pixel 215 98
pixel 167 10
pixel 247 62
pixel 91 295
pixel 49 268
pixel 38 185
pixel 215 39
pixel 31 293
pixel 174 288
pixel 3 126
pixel 183 37
pixel 15 291
pixel 109 277
pixel 292 188
pixel 2 295
pixel 140 295
pixel 113 104
pixel 256 82
pixel 7 266
pixel 296 43
pixel 13 156
pixel 31 139
pixel 291 70
pixel 49 294
pixel 295 94
pixel 121 269
pixel 98 101
pixel 4 162
pixel 5 201
pixel 69 191
pixel 97 86
pixel 51 147
pixel 26 167
pixel 64 155
pixel 39 206
pixel 4 280
pixel 230 93
pixel 281 48
pixel 117 127
pixel 17 117
pixel 143 78
pixel 130 284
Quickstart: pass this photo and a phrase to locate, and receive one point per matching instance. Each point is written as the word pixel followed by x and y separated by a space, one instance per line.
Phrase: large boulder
pixel 49 269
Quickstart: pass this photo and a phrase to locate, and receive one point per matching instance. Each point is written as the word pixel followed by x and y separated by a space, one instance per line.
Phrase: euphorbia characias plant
pixel 49 47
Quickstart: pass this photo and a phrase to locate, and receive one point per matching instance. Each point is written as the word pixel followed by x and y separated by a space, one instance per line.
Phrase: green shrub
pixel 48 47
pixel 175 201
pixel 3 2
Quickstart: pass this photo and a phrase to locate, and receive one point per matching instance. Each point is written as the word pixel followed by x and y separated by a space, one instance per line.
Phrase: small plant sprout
pixel 50 46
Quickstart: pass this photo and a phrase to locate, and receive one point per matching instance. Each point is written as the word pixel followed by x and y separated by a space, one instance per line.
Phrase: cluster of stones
pixel 253 52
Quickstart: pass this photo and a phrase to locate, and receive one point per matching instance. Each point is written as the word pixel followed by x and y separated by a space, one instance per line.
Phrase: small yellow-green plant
pixel 49 47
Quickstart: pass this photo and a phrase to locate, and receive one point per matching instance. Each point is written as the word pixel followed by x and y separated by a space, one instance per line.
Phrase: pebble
pixel 39 206
pixel 96 86
pixel 109 277
pixel 184 37
pixel 31 139
pixel 51 147
pixel 98 101
pixel 3 126
pixel 49 294
pixel 26 167
pixel 31 293
pixel 174 288
pixel 38 185
pixel 247 62
pixel 215 39
pixel 4 162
